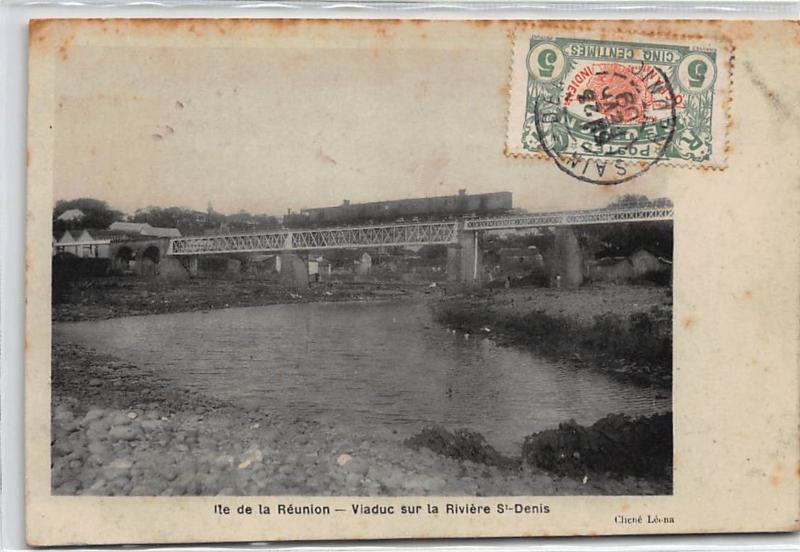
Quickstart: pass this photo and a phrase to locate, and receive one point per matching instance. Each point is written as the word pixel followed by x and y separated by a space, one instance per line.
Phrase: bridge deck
pixel 573 218
pixel 422 233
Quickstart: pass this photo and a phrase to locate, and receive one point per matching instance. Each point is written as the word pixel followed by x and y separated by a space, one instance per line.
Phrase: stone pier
pixel 465 260
pixel 192 266
pixel 293 270
pixel 568 261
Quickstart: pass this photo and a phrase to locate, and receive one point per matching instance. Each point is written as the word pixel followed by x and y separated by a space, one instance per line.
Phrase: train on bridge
pixel 403 210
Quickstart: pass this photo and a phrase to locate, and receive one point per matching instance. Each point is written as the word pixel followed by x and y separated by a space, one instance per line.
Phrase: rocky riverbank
pixel 625 331
pixel 118 429
pixel 113 297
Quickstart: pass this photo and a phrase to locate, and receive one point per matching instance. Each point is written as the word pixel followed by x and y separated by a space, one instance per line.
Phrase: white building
pixel 84 243
pixel 71 214
pixel 144 229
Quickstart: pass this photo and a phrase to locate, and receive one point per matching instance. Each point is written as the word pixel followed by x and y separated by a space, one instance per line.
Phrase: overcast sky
pixel 269 129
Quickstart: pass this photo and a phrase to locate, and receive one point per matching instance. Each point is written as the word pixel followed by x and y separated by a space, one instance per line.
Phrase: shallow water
pixel 365 366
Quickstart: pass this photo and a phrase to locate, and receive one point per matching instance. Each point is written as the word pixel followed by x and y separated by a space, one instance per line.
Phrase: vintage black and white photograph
pixel 266 286
pixel 298 280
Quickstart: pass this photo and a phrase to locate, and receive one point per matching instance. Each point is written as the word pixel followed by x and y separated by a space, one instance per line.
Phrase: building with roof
pixel 71 214
pixel 84 243
pixel 134 229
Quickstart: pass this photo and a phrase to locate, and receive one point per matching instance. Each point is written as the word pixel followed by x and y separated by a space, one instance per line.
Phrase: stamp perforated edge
pixel 725 97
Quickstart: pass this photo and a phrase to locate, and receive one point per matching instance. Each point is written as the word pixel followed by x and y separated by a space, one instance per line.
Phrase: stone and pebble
pixel 137 435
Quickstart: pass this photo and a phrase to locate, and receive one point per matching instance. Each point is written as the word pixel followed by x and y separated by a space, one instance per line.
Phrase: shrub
pixel 460 445
pixel 616 444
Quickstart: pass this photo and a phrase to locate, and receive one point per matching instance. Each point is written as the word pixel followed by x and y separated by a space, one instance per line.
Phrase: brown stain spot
pixel 748 294
pixel 63 48
pixel 27 343
pixel 382 32
pixel 625 507
pixel 740 30
pixel 28 157
pixel 93 151
pixel 38 28
pixel 774 480
pixel 687 322
pixel 592 533
pixel 504 91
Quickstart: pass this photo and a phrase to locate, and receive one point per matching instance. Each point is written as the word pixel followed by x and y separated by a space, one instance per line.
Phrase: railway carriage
pixel 403 210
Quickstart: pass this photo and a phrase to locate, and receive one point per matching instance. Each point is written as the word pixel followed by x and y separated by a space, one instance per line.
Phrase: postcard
pixel 374 279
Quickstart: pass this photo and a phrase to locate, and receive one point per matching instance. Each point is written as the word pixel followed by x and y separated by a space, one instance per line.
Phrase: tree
pixel 433 253
pixel 96 214
pixel 622 240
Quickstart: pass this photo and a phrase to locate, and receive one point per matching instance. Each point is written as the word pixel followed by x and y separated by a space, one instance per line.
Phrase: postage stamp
pixel 605 111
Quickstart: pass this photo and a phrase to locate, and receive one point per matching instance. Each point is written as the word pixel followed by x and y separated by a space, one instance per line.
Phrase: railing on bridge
pixel 573 218
pixel 423 233
pixel 429 233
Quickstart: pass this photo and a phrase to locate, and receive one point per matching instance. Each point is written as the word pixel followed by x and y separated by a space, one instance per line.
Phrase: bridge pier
pixel 465 259
pixel 293 270
pixel 192 267
pixel 453 268
pixel 568 261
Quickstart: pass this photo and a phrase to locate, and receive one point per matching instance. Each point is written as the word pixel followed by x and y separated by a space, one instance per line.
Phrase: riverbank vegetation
pixel 616 446
pixel 117 296
pixel 625 331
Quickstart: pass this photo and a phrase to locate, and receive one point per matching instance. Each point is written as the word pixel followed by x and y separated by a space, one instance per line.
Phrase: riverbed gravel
pixel 118 429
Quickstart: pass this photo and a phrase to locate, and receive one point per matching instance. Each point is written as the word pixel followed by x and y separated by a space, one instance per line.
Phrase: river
pixel 364 366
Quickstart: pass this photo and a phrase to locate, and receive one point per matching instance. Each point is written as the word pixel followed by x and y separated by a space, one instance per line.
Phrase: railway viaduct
pixel 145 257
pixel 177 257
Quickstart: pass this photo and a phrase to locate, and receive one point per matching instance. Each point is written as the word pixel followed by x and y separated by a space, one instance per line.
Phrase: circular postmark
pixel 612 122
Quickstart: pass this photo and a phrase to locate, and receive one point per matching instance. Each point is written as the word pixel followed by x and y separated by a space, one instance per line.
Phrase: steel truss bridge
pixel 403 234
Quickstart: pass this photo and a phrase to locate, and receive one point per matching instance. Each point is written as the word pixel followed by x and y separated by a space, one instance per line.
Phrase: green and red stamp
pixel 607 111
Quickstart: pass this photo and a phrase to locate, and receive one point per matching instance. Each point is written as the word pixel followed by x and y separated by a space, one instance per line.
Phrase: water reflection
pixel 365 366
